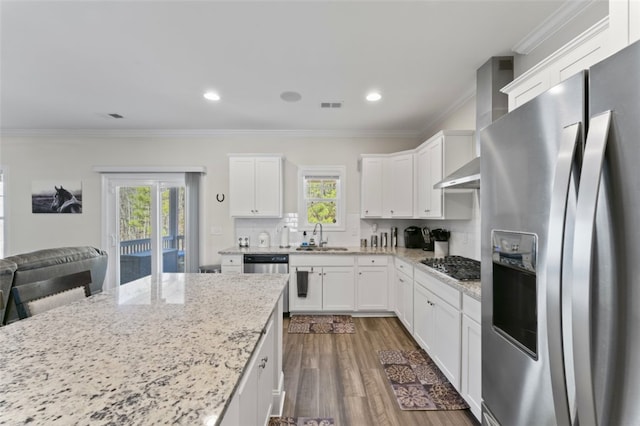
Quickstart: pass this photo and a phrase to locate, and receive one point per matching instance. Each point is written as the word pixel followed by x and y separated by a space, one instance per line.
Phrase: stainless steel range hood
pixel 467 176
pixel 491 104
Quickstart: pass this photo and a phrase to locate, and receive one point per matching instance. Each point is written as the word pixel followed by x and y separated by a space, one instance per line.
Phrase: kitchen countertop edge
pixel 413 256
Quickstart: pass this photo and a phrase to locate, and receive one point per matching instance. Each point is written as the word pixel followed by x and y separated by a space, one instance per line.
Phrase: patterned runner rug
pixel 301 421
pixel 418 383
pixel 321 324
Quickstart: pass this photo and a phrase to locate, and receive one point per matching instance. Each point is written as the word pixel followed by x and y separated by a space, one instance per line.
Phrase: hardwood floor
pixel 339 376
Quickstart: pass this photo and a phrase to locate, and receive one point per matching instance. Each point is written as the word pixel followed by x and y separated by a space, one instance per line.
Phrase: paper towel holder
pixel 284 237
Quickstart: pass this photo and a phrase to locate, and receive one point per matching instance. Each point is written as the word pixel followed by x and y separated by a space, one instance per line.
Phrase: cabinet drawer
pixel 231 269
pixel 233 260
pixel 404 267
pixel 472 308
pixel 373 260
pixel 440 289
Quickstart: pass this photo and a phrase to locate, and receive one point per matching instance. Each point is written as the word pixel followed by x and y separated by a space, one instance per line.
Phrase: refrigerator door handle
pixel 556 259
pixel 592 167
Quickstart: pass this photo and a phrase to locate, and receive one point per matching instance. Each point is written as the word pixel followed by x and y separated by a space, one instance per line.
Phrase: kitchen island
pixel 164 350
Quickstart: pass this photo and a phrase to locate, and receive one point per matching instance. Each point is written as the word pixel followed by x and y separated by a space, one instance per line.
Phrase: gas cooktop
pixel 458 267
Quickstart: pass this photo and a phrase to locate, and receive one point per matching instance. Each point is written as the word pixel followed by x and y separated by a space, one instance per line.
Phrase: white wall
pixel 53 158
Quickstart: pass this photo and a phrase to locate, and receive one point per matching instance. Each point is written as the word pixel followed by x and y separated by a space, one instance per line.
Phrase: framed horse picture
pixel 61 196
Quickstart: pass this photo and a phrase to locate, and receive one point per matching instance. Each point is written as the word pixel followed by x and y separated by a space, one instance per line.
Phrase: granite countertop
pixel 413 256
pixel 169 350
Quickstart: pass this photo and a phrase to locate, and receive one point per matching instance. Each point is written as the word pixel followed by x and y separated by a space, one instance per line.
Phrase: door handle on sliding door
pixel 592 167
pixel 555 260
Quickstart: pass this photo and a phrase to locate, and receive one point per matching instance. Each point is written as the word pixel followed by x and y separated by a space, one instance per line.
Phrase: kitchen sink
pixel 316 248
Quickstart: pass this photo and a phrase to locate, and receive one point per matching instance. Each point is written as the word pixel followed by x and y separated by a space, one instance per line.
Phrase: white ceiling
pixel 67 65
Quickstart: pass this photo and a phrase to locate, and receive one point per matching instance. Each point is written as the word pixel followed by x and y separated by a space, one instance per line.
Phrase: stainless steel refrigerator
pixel 561 253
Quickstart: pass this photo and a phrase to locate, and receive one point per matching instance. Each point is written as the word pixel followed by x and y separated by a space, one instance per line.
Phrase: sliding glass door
pixel 146 225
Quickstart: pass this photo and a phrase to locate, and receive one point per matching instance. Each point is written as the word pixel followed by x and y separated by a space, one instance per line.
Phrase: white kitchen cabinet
pixel 331 283
pixel 386 185
pixel 313 299
pixel 398 200
pixel 371 186
pixel 471 374
pixel 404 294
pixel 423 312
pixel 372 283
pixel 338 288
pixel 439 305
pixel 255 186
pixel 252 402
pixel 589 48
pixel 436 158
pixel 231 264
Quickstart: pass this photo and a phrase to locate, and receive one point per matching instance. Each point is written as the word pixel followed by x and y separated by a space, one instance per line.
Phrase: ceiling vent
pixel 114 115
pixel 330 104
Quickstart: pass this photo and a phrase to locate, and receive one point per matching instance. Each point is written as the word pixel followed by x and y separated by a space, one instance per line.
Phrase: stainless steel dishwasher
pixel 269 264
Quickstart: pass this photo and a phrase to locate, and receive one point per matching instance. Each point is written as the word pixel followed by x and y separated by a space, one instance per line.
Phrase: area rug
pixel 322 324
pixel 301 421
pixel 417 383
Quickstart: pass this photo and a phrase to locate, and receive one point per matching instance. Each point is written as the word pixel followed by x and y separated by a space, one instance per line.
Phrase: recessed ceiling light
pixel 290 96
pixel 374 96
pixel 212 96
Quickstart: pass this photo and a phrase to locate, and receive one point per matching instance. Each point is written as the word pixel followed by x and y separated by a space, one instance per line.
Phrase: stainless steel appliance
pixel 268 264
pixel 458 267
pixel 415 237
pixel 560 250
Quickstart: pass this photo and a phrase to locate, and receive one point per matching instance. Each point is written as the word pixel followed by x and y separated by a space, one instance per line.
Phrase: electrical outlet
pixel 216 230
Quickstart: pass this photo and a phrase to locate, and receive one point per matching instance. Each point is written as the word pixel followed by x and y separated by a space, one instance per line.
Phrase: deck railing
pixel 144 244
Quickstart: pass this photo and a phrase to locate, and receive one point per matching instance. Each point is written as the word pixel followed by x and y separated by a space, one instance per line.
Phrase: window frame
pixel 341 200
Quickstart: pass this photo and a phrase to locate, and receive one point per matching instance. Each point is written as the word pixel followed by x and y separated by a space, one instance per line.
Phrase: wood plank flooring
pixel 339 376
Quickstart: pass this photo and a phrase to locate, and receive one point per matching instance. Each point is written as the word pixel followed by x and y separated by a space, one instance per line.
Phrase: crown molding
pixel 203 133
pixel 466 97
pixel 561 17
pixel 596 29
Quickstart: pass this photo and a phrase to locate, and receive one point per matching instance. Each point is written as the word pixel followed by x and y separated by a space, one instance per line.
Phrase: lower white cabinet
pixel 253 400
pixel 338 288
pixel 437 307
pixel 231 264
pixel 312 300
pixel 330 283
pixel 372 283
pixel 404 294
pixel 471 387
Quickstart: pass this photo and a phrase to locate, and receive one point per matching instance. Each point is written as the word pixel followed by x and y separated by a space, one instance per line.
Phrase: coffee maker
pixel 416 237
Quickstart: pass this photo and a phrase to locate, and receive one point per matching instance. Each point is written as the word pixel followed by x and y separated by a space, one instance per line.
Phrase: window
pixel 321 197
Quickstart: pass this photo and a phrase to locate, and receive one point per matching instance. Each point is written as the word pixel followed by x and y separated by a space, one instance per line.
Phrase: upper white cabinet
pixel 387 185
pixel 371 186
pixel 436 158
pixel 587 49
pixel 255 186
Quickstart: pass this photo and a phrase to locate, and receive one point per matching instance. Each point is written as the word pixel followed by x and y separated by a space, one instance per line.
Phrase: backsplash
pixel 464 240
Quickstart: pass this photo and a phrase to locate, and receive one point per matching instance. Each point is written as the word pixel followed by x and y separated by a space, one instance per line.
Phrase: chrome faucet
pixel 322 241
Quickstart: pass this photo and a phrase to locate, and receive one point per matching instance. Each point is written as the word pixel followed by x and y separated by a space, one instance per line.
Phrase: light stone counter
pixel 153 351
pixel 414 256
